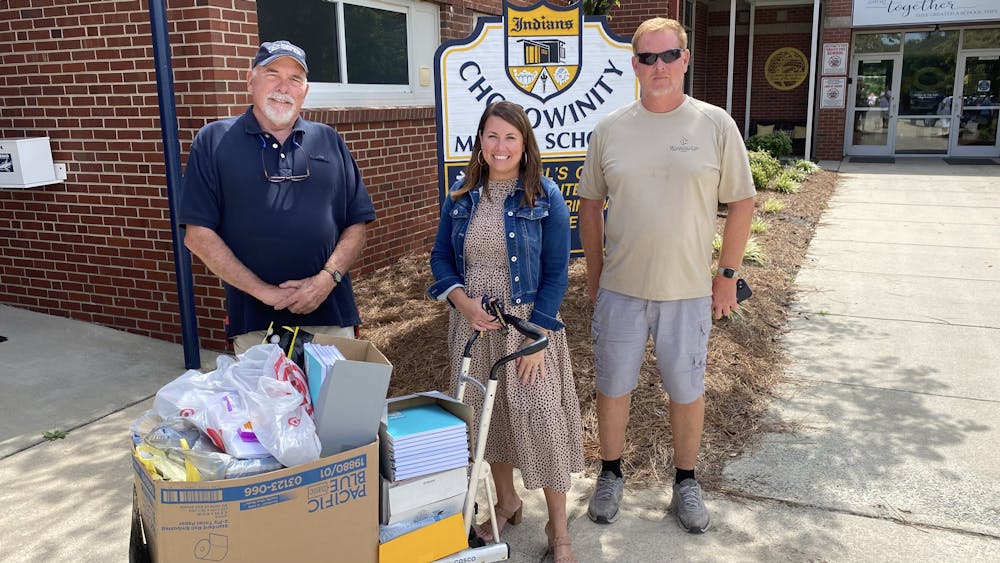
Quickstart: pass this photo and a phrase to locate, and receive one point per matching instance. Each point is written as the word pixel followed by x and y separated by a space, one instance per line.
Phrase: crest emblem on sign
pixel 543 48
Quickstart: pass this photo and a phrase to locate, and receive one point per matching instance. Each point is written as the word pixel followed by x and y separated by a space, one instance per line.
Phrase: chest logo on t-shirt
pixel 684 146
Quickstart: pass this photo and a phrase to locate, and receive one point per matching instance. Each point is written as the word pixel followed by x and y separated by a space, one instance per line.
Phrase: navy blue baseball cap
pixel 271 51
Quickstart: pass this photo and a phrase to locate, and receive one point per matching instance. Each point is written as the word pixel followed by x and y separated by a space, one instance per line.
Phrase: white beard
pixel 278 116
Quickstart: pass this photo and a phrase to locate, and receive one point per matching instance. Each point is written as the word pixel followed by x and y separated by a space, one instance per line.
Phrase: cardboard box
pixel 350 403
pixel 449 404
pixel 431 542
pixel 26 162
pixel 403 500
pixel 325 510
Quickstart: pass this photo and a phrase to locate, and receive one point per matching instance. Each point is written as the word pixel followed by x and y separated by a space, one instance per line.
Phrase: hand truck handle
pixel 528 329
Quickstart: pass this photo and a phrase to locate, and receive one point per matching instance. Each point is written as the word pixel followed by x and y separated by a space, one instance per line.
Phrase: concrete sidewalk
pixel 892 400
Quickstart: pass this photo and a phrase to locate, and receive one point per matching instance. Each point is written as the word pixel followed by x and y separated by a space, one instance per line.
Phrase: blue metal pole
pixel 172 158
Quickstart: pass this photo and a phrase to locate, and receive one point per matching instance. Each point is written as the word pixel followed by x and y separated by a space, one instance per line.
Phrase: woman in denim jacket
pixel 504 233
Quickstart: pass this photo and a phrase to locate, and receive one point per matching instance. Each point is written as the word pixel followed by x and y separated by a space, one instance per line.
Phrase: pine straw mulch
pixel 745 359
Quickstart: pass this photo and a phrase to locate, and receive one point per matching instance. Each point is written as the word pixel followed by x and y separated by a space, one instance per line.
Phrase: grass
pixel 806 166
pixel 785 183
pixel 737 316
pixel 52 435
pixel 754 252
pixel 794 173
pixel 773 205
pixel 758 225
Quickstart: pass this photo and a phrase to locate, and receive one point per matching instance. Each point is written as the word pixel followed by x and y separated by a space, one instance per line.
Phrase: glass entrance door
pixel 872 116
pixel 976 106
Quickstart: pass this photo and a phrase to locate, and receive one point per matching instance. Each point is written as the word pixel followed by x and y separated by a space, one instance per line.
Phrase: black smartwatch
pixel 728 272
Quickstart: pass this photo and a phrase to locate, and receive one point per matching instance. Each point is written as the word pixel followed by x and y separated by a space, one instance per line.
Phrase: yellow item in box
pixel 432 542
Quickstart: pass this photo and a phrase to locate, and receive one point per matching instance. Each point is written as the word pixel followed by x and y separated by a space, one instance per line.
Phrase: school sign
pixel 565 69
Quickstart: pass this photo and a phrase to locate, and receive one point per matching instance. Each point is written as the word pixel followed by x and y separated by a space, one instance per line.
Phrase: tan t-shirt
pixel 664 175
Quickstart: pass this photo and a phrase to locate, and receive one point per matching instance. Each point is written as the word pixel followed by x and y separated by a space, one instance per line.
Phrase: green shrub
pixel 786 182
pixel 777 144
pixel 806 166
pixel 764 168
pixel 794 173
pixel 758 225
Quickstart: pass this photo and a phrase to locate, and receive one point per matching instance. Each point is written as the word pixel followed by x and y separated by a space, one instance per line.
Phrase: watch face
pixel 728 272
pixel 337 276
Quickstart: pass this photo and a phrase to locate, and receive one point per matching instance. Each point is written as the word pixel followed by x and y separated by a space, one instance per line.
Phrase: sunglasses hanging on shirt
pixel 284 175
pixel 668 56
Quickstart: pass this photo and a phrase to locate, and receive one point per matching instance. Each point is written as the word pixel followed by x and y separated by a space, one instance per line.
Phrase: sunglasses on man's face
pixel 668 56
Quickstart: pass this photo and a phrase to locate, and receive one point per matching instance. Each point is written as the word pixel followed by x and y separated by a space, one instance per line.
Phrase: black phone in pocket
pixel 743 291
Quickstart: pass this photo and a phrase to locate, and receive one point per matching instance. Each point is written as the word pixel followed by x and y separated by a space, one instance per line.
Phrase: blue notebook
pixel 414 422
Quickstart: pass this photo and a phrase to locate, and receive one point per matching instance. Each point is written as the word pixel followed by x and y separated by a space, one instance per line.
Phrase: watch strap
pixel 337 276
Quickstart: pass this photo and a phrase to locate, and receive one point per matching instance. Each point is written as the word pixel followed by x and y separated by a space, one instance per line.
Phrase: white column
pixel 746 117
pixel 812 79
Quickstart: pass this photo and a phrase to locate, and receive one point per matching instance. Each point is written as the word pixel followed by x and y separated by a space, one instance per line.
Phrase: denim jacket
pixel 538 241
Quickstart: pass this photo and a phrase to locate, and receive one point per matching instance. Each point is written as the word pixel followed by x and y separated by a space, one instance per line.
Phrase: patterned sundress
pixel 535 428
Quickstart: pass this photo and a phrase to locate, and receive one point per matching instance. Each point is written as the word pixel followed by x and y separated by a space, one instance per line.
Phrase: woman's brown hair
pixel 477 171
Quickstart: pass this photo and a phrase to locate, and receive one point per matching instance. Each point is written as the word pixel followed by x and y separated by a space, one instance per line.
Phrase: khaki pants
pixel 243 342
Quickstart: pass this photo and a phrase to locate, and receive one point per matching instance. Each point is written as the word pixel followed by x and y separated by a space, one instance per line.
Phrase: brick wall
pixel 699 53
pixel 717 53
pixel 397 154
pixel 835 28
pixel 629 15
pixel 775 28
pixel 98 247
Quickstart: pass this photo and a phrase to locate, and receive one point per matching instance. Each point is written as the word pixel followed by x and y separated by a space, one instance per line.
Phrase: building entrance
pixel 872 123
pixel 933 92
pixel 976 106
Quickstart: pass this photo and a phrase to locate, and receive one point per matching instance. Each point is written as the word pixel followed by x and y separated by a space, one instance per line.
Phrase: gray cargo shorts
pixel 621 327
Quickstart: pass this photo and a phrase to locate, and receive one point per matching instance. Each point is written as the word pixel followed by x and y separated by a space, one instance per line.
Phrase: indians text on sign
pixel 540 24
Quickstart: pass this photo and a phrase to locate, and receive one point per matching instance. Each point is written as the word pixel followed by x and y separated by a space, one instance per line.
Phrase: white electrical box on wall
pixel 26 162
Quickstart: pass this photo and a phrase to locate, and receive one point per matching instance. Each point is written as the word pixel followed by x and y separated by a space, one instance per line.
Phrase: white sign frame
pixel 922 12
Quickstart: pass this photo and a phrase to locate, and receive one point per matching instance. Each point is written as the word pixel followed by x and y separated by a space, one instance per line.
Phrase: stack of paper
pixel 319 360
pixel 424 439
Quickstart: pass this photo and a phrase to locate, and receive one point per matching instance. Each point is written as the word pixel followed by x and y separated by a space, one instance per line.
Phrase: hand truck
pixel 497 550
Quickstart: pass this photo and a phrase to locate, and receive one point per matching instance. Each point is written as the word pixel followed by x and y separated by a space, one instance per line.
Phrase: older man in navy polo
pixel 274 205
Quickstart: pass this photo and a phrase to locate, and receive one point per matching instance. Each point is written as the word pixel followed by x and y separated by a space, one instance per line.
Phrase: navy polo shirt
pixel 281 230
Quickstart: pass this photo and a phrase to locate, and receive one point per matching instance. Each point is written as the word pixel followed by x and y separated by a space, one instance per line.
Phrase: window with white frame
pixel 360 52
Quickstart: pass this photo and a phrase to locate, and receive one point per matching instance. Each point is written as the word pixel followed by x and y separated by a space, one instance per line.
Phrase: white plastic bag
pixel 273 390
pixel 201 399
pixel 263 387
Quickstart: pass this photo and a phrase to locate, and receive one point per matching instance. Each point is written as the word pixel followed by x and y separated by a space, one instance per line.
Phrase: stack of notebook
pixel 319 359
pixel 424 439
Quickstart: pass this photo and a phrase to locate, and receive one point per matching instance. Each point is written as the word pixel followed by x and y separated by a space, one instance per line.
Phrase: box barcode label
pixel 171 496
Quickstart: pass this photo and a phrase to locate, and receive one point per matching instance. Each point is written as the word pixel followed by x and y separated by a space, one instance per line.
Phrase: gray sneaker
pixel 687 504
pixel 607 496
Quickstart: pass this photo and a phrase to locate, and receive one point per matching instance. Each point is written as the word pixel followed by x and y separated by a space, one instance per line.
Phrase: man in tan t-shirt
pixel 663 163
